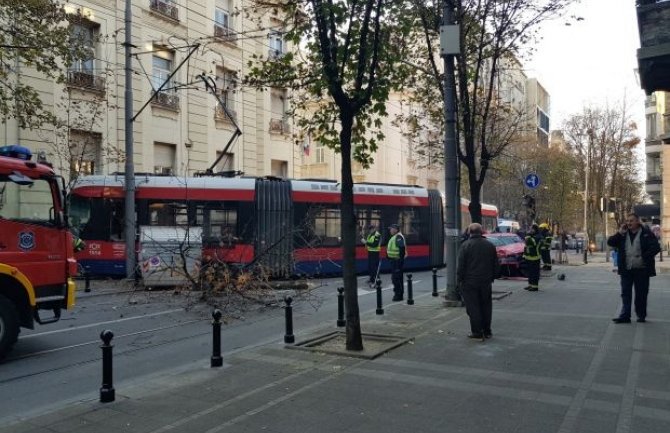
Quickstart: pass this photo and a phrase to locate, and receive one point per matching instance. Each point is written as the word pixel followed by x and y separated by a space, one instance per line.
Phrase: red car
pixel 510 252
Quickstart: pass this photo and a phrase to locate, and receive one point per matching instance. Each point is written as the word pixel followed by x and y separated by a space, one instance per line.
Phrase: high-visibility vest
pixel 546 243
pixel 392 250
pixel 372 243
pixel 530 252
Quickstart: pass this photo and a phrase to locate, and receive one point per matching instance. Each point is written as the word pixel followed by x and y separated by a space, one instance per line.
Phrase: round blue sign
pixel 532 180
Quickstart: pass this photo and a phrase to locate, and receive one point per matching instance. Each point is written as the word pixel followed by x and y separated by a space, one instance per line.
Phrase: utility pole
pixel 450 47
pixel 589 132
pixel 129 185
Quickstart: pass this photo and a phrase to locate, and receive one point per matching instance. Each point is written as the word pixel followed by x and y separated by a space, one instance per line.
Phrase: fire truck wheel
pixel 9 326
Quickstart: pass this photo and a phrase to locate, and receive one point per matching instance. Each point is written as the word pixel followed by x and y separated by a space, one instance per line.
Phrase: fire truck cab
pixel 36 247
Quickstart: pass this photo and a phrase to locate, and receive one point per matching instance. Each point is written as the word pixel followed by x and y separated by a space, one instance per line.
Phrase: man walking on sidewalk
pixel 636 248
pixel 477 269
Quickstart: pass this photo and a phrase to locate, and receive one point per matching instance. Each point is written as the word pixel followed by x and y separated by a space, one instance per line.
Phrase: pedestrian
pixel 477 269
pixel 636 248
pixel 531 257
pixel 372 245
pixel 396 251
pixel 545 246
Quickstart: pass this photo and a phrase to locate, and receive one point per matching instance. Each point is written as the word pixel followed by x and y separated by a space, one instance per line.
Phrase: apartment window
pixel 162 64
pixel 651 126
pixel 85 153
pixel 222 14
pixel 276 45
pixel 279 168
pixel 543 120
pixel 279 120
pixel 654 167
pixel 320 153
pixel 226 82
pixel 162 68
pixel 164 158
pixel 226 163
pixel 83 33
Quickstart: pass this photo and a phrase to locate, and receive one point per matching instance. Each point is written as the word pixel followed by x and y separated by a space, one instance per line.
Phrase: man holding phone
pixel 636 248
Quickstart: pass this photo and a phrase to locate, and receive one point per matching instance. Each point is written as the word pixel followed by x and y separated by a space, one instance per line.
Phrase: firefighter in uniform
pixel 545 246
pixel 531 255
pixel 396 252
pixel 373 245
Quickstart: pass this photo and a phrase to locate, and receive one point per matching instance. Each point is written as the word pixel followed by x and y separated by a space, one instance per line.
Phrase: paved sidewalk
pixel 556 363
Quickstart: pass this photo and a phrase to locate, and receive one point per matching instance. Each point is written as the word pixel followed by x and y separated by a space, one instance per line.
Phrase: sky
pixel 590 62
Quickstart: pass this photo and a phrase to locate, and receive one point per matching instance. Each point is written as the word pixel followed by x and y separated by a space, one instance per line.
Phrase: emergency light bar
pixel 16 151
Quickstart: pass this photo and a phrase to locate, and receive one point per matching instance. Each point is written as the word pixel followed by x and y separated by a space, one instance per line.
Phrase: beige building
pixel 657 111
pixel 183 129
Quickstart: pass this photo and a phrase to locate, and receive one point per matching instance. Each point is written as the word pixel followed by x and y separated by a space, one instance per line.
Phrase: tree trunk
pixel 348 233
pixel 475 206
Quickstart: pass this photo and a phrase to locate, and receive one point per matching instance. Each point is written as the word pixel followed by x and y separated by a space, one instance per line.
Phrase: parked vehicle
pixel 509 248
pixel 36 247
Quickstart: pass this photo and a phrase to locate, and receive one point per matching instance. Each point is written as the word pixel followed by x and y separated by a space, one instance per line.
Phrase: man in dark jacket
pixel 477 268
pixel 636 247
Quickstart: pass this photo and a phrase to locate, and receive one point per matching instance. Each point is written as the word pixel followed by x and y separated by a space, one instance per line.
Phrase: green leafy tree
pixel 493 34
pixel 341 78
pixel 32 36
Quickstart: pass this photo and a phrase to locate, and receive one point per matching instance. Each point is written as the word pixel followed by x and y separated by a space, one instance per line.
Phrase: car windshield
pixel 498 242
pixel 31 202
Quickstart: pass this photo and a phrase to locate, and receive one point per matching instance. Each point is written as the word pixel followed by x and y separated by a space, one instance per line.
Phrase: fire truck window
pixel 29 203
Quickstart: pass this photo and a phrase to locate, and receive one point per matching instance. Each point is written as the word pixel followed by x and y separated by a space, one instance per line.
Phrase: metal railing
pixel 280 126
pixel 167 100
pixel 165 8
pixel 224 33
pixel 85 80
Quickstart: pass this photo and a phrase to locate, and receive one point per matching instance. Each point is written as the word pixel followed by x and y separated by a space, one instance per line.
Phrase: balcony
pixel 224 34
pixel 654 55
pixel 275 54
pixel 85 80
pixel 279 126
pixel 166 100
pixel 220 114
pixel 165 9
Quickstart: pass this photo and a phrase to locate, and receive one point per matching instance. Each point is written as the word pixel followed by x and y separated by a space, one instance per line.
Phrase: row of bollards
pixel 108 394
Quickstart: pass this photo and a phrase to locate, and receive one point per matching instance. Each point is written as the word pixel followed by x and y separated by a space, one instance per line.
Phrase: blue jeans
pixel 639 279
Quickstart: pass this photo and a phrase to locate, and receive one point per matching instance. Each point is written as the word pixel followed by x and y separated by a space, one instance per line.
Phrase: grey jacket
pixel 477 261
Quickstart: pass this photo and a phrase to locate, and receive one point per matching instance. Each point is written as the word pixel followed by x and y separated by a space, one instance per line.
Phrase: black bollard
pixel 107 393
pixel 289 338
pixel 87 282
pixel 435 282
pixel 217 360
pixel 340 307
pixel 378 286
pixel 410 291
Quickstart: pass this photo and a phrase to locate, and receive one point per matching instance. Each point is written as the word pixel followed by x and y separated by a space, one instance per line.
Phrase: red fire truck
pixel 36 247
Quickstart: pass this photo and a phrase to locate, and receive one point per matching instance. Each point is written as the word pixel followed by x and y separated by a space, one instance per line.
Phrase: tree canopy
pixel 32 36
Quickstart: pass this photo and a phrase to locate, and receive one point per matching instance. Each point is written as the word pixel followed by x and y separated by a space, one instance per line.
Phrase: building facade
pixel 181 129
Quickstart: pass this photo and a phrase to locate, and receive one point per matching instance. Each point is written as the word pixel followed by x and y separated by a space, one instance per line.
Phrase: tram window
pixel 327 227
pixel 366 217
pixel 219 224
pixel 411 225
pixel 168 214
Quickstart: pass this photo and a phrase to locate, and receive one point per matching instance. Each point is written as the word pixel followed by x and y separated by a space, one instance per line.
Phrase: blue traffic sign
pixel 532 180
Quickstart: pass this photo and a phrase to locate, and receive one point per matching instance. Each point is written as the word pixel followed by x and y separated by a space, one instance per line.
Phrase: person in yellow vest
pixel 545 246
pixel 531 256
pixel 373 244
pixel 396 251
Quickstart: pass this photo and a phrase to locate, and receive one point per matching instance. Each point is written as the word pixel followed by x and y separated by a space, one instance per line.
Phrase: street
pixel 154 332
